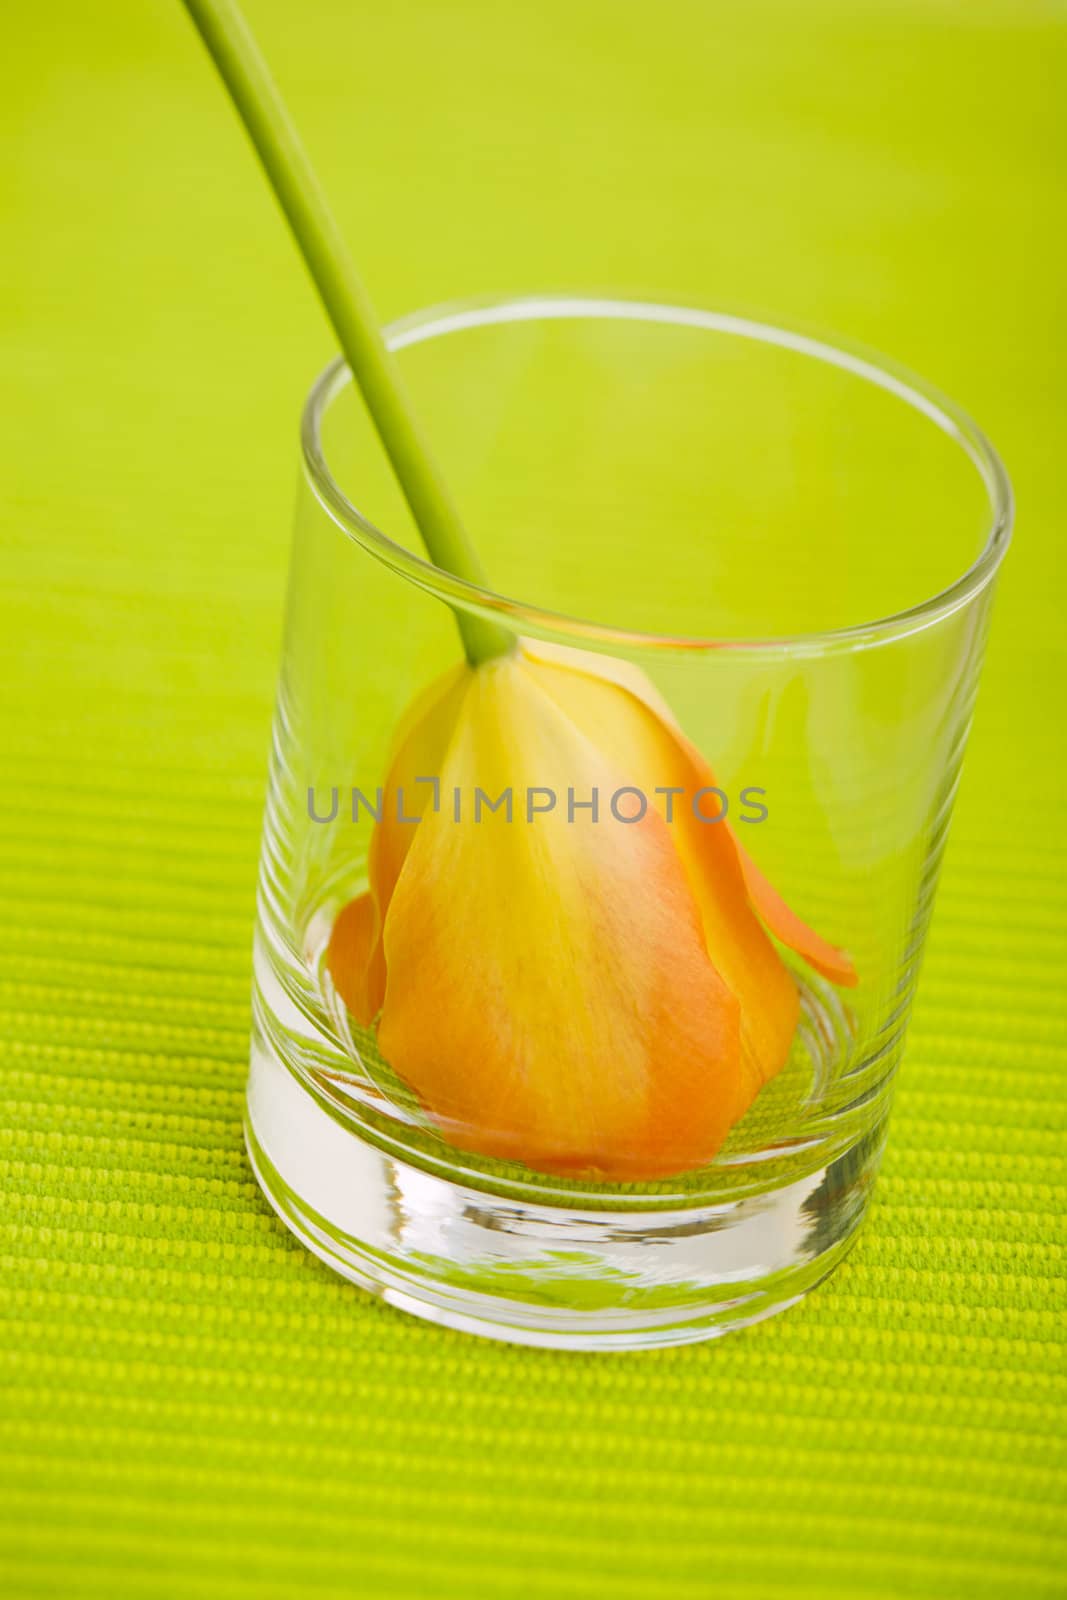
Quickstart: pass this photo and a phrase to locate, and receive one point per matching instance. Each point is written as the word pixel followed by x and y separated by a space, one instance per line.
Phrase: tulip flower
pixel 589 991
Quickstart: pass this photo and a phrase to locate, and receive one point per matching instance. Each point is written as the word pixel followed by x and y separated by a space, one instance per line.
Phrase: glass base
pixel 622 1276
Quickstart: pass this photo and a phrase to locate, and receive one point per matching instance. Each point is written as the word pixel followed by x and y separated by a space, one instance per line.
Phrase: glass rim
pixel 530 618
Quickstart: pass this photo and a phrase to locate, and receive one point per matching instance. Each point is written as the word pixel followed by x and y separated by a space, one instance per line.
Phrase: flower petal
pixel 787 926
pixel 354 958
pixel 549 995
pixel 419 749
pixel 783 922
pixel 639 734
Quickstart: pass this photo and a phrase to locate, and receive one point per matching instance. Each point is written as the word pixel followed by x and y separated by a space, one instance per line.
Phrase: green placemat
pixel 190 1405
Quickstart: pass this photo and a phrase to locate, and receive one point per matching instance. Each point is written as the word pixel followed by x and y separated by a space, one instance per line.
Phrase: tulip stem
pixel 262 110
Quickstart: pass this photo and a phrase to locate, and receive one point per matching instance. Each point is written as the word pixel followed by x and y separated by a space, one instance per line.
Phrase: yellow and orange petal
pixel 354 958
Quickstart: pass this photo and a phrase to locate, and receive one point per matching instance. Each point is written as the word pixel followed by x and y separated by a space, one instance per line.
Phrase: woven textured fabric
pixel 190 1405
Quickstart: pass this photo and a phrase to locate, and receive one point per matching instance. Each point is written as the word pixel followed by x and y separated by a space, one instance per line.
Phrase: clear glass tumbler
pixel 582 974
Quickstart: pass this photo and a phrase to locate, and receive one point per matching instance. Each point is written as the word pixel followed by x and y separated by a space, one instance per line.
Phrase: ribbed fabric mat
pixel 190 1405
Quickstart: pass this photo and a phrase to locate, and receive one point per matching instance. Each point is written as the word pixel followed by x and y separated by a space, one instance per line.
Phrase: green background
pixel 190 1405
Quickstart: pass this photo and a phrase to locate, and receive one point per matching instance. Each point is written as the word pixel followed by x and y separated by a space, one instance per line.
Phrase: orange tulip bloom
pixel 579 992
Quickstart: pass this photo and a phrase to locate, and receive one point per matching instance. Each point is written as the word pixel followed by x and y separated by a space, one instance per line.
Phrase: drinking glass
pixel 612 1072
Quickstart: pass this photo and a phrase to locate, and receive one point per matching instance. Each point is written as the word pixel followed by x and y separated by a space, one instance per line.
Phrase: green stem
pixel 254 93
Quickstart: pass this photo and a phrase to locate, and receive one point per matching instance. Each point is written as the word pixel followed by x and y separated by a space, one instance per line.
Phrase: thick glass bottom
pixel 624 1275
